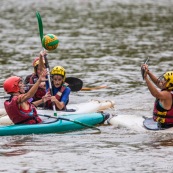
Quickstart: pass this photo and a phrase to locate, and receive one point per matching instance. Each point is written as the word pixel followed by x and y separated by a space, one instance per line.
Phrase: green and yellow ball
pixel 50 42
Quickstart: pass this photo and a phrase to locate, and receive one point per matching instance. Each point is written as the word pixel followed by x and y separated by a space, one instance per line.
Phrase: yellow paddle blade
pixel 93 88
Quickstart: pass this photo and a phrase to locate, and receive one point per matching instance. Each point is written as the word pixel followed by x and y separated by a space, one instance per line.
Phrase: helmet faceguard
pixel 59 70
pixel 11 84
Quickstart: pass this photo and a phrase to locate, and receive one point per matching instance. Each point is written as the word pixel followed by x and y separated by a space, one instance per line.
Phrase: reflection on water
pixel 103 43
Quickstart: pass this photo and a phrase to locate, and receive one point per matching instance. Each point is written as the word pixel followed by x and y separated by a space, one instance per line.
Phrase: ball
pixel 50 42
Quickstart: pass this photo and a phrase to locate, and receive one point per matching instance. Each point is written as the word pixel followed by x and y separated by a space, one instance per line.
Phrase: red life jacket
pixel 40 91
pixel 165 116
pixel 58 95
pixel 17 116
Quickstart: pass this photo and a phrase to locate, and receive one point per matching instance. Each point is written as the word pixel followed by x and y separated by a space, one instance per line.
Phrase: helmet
pixel 36 61
pixel 168 76
pixel 11 84
pixel 58 70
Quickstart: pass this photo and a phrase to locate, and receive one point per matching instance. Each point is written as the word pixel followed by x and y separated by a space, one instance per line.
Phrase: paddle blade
pixel 93 88
pixel 142 73
pixel 75 84
pixel 40 25
pixel 150 124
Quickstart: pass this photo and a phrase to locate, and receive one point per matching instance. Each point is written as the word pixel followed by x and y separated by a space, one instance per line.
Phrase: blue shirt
pixel 65 95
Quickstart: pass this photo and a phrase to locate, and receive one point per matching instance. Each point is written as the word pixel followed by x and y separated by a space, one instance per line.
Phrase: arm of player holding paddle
pixel 151 75
pixel 64 99
pixel 163 96
pixel 59 105
pixel 34 88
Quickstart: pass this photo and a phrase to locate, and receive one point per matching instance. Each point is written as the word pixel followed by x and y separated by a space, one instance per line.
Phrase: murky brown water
pixel 103 43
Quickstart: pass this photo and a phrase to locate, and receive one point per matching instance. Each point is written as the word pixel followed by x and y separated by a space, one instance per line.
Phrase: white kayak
pixel 136 123
pixel 81 108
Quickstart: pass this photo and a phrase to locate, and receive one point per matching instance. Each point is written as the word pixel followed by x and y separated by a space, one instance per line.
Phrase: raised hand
pixel 144 67
pixel 42 77
pixel 43 53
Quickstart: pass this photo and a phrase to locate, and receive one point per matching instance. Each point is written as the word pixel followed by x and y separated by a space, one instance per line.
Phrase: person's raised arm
pixel 162 95
pixel 150 74
pixel 34 88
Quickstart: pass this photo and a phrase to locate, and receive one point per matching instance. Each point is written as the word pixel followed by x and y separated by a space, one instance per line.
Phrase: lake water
pixel 102 42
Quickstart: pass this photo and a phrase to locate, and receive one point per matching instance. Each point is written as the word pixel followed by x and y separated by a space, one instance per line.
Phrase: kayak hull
pixel 58 126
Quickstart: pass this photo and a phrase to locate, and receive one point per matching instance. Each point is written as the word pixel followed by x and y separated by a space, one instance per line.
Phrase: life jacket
pixel 17 116
pixel 40 91
pixel 163 116
pixel 58 95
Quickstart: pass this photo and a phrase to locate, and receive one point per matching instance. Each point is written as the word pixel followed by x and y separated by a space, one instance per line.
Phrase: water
pixel 103 43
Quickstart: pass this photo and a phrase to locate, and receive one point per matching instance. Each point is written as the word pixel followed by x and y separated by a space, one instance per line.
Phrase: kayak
pixel 138 123
pixel 64 124
pixel 81 108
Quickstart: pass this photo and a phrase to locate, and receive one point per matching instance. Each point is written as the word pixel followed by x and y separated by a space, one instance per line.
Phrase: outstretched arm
pixel 34 88
pixel 151 75
pixel 162 95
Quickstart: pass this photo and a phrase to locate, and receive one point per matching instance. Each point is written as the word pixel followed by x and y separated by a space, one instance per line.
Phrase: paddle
pixel 75 84
pixel 40 26
pixel 142 70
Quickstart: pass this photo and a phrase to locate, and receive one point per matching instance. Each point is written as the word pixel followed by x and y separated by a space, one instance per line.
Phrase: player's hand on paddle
pixel 59 105
pixel 46 97
pixel 53 99
pixel 146 70
pixel 43 53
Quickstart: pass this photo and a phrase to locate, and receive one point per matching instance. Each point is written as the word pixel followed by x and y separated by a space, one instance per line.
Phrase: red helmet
pixel 36 61
pixel 11 84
